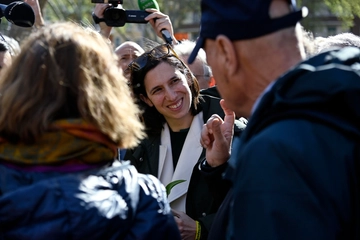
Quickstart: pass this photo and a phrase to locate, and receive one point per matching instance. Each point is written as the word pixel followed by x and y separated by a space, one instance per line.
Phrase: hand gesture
pixel 216 136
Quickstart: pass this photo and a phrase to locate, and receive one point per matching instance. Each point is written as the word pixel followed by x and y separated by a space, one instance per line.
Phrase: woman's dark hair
pixel 154 120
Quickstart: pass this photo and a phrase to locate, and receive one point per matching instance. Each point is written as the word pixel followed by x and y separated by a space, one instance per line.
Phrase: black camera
pixel 116 17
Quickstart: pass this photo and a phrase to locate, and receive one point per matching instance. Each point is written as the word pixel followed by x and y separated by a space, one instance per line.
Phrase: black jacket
pixel 295 171
pixel 206 191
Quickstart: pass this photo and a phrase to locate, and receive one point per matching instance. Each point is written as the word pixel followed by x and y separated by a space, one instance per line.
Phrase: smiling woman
pixel 160 75
pixel 174 113
pixel 168 91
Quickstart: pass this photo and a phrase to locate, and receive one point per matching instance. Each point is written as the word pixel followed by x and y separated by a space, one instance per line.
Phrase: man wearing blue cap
pixel 295 170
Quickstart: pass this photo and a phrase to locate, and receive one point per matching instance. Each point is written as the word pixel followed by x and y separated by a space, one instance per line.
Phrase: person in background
pixel 174 113
pixel 199 67
pixel 126 53
pixel 295 170
pixel 337 41
pixel 62 119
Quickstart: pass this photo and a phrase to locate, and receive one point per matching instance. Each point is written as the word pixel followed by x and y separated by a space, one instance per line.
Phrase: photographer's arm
pixel 39 20
pixel 99 9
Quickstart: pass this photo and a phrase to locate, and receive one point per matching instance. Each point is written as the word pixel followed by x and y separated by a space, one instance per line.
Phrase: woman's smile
pixel 177 105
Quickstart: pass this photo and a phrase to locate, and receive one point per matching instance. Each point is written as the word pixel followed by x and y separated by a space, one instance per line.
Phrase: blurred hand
pixel 160 21
pixel 216 136
pixel 186 225
pixel 34 4
pixel 99 9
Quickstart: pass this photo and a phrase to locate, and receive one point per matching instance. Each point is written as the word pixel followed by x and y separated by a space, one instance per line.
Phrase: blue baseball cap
pixel 241 19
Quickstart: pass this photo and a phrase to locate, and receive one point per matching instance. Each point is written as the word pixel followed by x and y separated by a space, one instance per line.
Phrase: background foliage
pixel 80 11
pixel 345 10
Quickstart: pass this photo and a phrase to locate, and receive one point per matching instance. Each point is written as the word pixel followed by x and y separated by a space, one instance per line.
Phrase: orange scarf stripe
pixel 67 140
pixel 82 129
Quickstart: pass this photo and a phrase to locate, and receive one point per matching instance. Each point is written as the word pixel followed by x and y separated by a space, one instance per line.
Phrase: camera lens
pixel 115 17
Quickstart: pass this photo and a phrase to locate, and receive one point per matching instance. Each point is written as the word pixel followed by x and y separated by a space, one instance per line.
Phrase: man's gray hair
pixel 337 41
pixel 184 49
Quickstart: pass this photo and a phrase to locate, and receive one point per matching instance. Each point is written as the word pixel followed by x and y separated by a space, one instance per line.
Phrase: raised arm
pixel 99 9
pixel 39 19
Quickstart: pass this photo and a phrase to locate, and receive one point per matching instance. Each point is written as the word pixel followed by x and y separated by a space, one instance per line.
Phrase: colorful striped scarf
pixel 71 140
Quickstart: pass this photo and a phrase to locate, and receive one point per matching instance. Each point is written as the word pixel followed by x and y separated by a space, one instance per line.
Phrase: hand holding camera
pixel 114 16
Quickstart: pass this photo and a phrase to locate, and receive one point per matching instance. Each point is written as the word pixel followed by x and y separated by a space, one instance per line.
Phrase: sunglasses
pixel 157 53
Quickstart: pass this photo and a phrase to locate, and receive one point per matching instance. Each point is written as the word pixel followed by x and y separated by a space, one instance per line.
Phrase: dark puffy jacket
pixel 112 203
pixel 297 163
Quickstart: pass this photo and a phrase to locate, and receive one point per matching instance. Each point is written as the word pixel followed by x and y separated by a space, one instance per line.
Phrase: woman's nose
pixel 170 94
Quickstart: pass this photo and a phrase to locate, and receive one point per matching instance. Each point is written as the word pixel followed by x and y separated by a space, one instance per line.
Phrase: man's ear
pixel 146 100
pixel 227 54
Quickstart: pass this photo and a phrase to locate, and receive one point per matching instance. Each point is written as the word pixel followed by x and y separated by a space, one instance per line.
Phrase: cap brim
pixel 199 44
